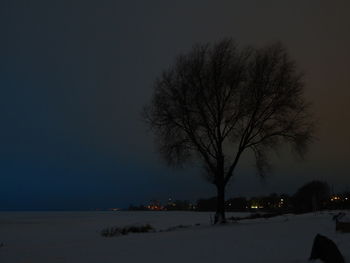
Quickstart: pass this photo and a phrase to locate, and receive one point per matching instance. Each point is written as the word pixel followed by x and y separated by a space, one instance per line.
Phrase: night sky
pixel 74 76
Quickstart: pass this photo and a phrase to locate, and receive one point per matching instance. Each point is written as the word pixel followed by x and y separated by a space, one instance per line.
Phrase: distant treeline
pixel 312 196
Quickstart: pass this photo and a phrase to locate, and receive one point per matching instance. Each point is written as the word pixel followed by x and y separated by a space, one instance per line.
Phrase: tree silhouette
pixel 311 196
pixel 217 101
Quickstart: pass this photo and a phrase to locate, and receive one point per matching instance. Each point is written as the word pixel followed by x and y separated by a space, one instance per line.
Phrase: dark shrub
pixel 117 231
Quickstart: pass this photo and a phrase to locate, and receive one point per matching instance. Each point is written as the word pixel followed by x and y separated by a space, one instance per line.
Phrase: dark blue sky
pixel 74 76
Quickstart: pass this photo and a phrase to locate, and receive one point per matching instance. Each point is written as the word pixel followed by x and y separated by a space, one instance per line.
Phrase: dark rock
pixel 326 250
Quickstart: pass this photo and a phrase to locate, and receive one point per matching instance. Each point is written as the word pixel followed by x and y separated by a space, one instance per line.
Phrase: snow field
pixel 57 237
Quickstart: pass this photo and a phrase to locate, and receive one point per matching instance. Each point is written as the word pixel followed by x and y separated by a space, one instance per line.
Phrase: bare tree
pixel 218 101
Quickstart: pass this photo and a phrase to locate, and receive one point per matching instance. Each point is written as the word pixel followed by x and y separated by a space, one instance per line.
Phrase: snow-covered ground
pixel 50 237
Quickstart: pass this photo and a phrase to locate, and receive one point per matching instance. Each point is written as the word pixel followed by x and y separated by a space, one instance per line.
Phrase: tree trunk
pixel 220 207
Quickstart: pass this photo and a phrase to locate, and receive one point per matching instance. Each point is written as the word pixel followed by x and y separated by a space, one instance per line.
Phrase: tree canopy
pixel 217 101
